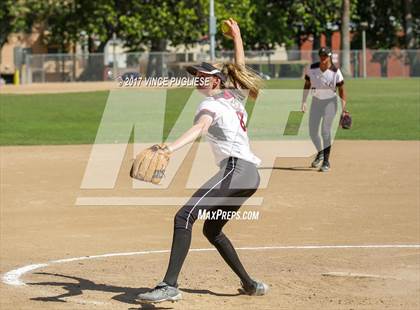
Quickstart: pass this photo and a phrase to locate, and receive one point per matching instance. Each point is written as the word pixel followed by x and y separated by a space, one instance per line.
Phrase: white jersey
pixel 227 133
pixel 324 84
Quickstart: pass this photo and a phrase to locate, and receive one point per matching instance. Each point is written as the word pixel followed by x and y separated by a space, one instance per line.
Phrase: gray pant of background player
pixel 322 113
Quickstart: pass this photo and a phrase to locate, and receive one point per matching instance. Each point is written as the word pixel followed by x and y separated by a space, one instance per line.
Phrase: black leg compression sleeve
pixel 180 245
pixel 213 231
pixel 327 151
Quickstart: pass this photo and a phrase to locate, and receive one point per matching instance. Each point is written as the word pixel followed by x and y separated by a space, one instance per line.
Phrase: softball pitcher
pixel 222 117
pixel 323 78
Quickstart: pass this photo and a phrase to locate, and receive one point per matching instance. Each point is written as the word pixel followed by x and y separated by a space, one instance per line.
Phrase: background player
pixel 222 117
pixel 323 78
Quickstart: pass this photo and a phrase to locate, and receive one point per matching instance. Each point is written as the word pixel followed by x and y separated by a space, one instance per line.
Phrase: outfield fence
pixel 272 64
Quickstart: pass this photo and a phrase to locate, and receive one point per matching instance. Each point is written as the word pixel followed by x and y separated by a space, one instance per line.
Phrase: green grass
pixel 381 110
pixel 50 118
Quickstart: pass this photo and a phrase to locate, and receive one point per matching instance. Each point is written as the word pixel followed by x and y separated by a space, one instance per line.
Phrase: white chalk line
pixel 13 276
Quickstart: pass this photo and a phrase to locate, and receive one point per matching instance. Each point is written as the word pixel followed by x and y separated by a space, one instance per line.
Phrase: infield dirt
pixel 371 197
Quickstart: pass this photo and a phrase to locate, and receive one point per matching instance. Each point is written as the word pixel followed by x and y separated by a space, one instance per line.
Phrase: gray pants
pixel 322 113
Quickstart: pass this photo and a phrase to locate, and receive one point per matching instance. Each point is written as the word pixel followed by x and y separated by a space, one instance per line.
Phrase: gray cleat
pixel 325 167
pixel 318 160
pixel 162 292
pixel 258 289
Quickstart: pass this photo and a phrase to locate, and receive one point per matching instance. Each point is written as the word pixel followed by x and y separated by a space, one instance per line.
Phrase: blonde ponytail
pixel 241 77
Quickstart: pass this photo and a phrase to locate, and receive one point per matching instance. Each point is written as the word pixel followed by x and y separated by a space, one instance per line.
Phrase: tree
pixel 60 22
pixel 411 37
pixel 11 19
pixel 388 27
pixel 262 22
pixel 384 20
pixel 7 18
pixel 169 22
pixel 410 40
pixel 345 38
pixel 415 17
pixel 311 18
pixel 15 16
pixel 154 25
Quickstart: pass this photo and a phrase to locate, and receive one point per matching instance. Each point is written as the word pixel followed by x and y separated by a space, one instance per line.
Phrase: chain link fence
pixel 274 64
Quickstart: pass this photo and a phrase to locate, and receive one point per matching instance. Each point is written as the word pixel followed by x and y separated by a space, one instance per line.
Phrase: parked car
pixel 130 75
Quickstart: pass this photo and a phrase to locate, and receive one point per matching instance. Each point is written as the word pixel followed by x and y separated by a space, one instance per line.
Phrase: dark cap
pixel 324 51
pixel 207 69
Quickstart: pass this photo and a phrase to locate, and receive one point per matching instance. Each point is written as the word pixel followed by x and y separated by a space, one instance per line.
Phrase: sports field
pixel 382 109
pixel 347 239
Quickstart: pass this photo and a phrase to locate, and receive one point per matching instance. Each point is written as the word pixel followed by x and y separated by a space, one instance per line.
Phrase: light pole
pixel 364 26
pixel 114 55
pixel 212 30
